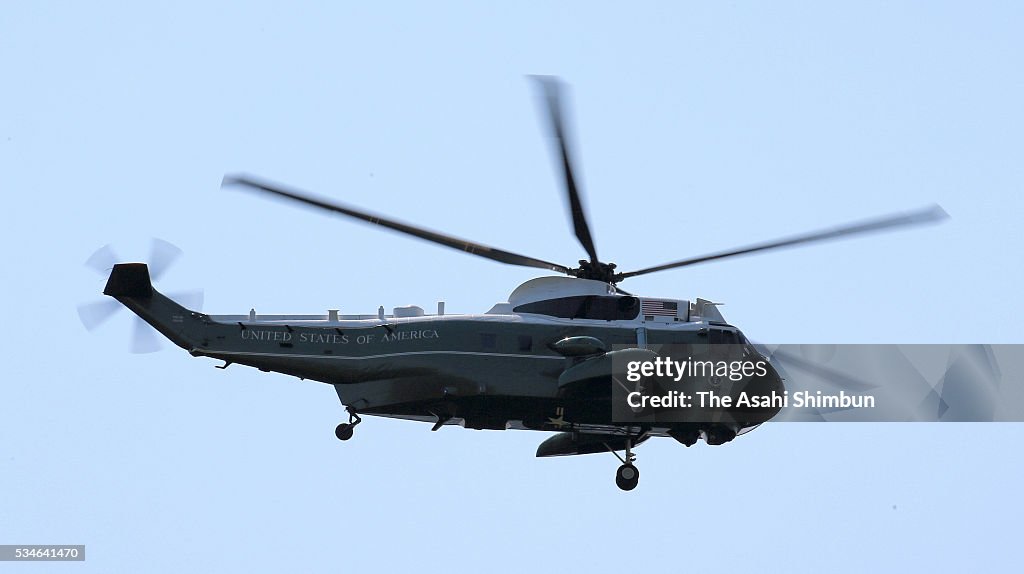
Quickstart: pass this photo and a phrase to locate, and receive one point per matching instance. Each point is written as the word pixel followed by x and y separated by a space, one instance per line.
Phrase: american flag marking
pixel 652 307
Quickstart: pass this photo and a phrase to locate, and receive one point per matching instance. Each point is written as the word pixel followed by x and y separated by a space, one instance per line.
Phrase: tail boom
pixel 130 284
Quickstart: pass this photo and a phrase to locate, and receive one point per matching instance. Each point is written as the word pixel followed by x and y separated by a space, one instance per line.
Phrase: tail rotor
pixel 162 256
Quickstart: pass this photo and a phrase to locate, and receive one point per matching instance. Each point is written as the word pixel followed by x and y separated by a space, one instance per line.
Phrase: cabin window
pixel 525 343
pixel 488 341
pixel 605 308
pixel 722 337
pixel 724 344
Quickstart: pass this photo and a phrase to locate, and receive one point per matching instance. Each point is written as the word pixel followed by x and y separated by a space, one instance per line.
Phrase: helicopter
pixel 544 359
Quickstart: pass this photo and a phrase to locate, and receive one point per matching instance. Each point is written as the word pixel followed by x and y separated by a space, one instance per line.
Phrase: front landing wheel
pixel 344 431
pixel 627 477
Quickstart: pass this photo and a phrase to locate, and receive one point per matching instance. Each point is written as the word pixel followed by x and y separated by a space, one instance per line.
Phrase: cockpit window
pixel 722 337
pixel 585 307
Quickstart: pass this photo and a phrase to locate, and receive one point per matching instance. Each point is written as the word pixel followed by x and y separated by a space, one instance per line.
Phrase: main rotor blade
pixel 926 215
pixel 453 242
pixel 553 97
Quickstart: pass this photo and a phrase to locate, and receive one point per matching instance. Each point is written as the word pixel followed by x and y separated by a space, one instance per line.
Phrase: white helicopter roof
pixel 543 288
pixel 555 287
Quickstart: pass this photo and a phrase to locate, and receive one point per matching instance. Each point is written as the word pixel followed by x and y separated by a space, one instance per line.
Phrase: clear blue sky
pixel 699 126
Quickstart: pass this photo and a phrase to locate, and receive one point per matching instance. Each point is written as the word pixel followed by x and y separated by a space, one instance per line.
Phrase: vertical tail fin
pixel 129 280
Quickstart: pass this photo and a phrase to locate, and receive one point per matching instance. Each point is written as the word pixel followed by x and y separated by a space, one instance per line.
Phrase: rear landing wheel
pixel 344 431
pixel 627 477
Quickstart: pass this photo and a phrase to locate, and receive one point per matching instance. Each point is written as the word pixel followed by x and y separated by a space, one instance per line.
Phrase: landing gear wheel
pixel 627 477
pixel 344 431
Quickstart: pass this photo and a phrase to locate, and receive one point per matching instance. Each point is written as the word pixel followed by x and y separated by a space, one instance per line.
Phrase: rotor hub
pixel 604 272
